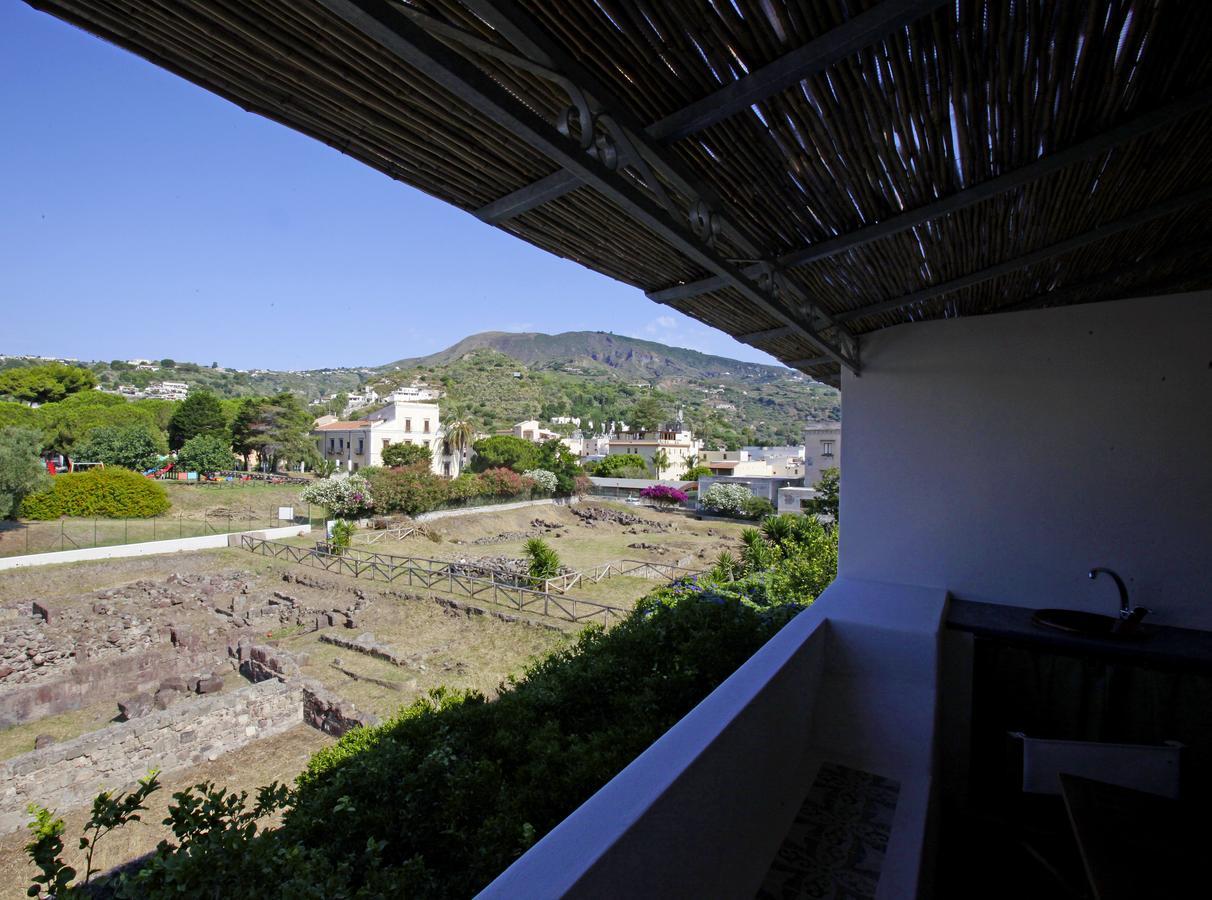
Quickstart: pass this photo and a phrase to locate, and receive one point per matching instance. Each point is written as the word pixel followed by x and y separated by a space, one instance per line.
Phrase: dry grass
pixel 19 739
pixel 67 580
pixel 278 758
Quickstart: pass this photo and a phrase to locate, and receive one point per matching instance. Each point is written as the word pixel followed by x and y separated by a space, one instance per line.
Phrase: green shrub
pixel 544 561
pixel 111 493
pixel 758 508
pixel 410 491
pixel 342 536
pixel 205 453
pixel 405 454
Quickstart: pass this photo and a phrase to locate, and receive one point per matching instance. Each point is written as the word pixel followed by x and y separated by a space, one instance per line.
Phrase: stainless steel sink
pixel 1076 621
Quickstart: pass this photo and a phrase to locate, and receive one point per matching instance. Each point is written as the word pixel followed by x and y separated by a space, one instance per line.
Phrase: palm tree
pixel 660 460
pixel 459 435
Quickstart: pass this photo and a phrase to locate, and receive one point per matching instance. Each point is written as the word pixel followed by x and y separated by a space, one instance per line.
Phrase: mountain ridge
pixel 622 353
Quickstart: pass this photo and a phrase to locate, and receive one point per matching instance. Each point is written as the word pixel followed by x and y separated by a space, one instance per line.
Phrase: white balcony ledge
pixel 701 813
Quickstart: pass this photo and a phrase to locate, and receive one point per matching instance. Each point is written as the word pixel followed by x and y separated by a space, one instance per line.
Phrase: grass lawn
pixel 197 509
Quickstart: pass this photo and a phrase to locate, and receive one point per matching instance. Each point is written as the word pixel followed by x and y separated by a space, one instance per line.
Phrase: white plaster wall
pixel 1001 457
pixel 148 548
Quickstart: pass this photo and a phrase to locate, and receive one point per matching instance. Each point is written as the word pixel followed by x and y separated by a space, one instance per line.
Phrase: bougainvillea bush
pixel 664 494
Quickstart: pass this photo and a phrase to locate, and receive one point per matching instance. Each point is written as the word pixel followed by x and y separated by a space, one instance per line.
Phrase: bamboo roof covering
pixel 797 174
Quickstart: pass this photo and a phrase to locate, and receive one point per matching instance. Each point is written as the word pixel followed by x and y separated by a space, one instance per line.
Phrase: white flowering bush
pixel 545 481
pixel 725 498
pixel 346 497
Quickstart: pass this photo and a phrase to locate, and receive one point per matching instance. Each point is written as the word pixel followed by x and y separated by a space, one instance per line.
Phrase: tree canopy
pixel 505 451
pixel 277 429
pixel 205 453
pixel 622 465
pixel 21 470
pixel 46 383
pixel 200 413
pixel 826 502
pixel 407 455
pixel 648 414
pixel 128 446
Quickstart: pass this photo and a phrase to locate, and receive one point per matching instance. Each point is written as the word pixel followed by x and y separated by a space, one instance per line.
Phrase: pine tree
pixel 199 414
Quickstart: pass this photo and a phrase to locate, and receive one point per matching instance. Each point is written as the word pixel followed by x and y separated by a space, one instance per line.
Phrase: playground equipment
pixel 156 473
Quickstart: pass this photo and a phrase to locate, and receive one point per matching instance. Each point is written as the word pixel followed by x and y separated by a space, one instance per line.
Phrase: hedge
pixel 111 493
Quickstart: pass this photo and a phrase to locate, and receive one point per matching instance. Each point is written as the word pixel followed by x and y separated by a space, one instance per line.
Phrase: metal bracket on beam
pixel 862 31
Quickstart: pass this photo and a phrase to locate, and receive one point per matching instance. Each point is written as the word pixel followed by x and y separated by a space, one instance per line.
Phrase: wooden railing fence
pixel 437 574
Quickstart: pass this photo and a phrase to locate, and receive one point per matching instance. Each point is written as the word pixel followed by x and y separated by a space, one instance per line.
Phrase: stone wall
pixel 73 772
pixel 114 678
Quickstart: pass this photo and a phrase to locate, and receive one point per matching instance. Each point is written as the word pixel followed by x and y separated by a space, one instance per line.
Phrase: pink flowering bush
pixel 664 494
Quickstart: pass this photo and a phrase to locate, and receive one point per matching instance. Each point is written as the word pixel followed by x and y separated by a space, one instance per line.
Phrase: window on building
pixel 341 446
pixel 360 446
pixel 332 444
pixel 386 443
pixel 826 448
pixel 427 426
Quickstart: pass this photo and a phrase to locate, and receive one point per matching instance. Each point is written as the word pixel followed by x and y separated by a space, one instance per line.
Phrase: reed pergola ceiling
pixel 796 174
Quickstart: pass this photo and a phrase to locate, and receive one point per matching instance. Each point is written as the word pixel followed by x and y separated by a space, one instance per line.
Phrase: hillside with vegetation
pixel 498 378
pixel 495 379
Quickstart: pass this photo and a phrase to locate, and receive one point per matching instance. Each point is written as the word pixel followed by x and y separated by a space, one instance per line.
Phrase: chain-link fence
pixel 20 538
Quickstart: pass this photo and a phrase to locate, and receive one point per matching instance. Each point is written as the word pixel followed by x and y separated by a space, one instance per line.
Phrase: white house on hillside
pixel 360 442
pixel 531 430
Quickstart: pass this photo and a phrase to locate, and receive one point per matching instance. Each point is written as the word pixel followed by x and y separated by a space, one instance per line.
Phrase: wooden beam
pixel 385 25
pixel 760 337
pixel 863 30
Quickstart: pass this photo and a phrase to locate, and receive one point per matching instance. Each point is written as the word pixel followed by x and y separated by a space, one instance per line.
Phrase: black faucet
pixel 1128 615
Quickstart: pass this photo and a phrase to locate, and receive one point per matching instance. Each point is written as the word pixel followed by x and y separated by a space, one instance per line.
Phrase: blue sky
pixel 141 216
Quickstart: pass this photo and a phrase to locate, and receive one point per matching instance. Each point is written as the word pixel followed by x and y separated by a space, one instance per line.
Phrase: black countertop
pixel 1158 646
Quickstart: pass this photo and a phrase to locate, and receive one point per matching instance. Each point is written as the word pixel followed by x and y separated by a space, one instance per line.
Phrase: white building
pixel 596 445
pixel 362 398
pixel 353 444
pixel 793 498
pixel 786 460
pixel 735 462
pixel 413 393
pixel 575 443
pixel 531 430
pixel 680 446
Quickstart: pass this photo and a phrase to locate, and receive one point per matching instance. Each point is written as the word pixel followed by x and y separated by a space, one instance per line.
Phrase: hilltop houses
pixel 353 444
